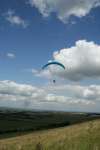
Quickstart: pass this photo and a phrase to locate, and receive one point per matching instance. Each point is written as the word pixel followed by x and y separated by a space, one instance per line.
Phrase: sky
pixel 34 32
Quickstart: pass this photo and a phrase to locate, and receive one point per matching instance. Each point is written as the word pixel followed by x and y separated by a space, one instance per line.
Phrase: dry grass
pixel 85 136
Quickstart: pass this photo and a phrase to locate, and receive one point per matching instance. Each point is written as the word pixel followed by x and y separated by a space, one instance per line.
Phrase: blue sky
pixel 31 34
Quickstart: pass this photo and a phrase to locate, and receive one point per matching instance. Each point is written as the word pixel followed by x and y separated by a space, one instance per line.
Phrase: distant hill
pixel 83 136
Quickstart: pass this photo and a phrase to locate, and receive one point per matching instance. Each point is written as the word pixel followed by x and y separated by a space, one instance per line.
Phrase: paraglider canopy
pixel 53 63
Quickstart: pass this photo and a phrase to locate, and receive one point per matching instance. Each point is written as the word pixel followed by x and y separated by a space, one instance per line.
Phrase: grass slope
pixel 84 136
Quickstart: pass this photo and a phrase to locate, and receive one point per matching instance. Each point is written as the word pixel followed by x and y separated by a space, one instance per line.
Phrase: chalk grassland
pixel 84 136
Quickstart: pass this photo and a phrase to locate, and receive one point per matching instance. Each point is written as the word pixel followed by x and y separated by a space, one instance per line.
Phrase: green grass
pixel 84 136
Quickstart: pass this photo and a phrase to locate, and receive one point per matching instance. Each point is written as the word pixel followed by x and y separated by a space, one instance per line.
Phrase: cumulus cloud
pixel 81 61
pixel 25 95
pixel 11 55
pixel 77 92
pixel 42 73
pixel 21 93
pixel 14 19
pixel 64 8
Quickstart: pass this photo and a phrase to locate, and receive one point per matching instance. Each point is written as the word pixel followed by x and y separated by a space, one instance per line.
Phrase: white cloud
pixel 42 73
pixel 66 96
pixel 14 19
pixel 78 92
pixel 81 61
pixel 64 8
pixel 11 55
pixel 13 88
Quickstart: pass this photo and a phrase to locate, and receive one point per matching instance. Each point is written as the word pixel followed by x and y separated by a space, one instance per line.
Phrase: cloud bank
pixel 81 61
pixel 67 96
pixel 64 8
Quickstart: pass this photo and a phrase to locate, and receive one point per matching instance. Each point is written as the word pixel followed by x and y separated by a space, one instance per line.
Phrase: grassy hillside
pixel 84 136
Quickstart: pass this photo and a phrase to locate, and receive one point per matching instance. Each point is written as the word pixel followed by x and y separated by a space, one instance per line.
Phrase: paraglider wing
pixel 52 63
